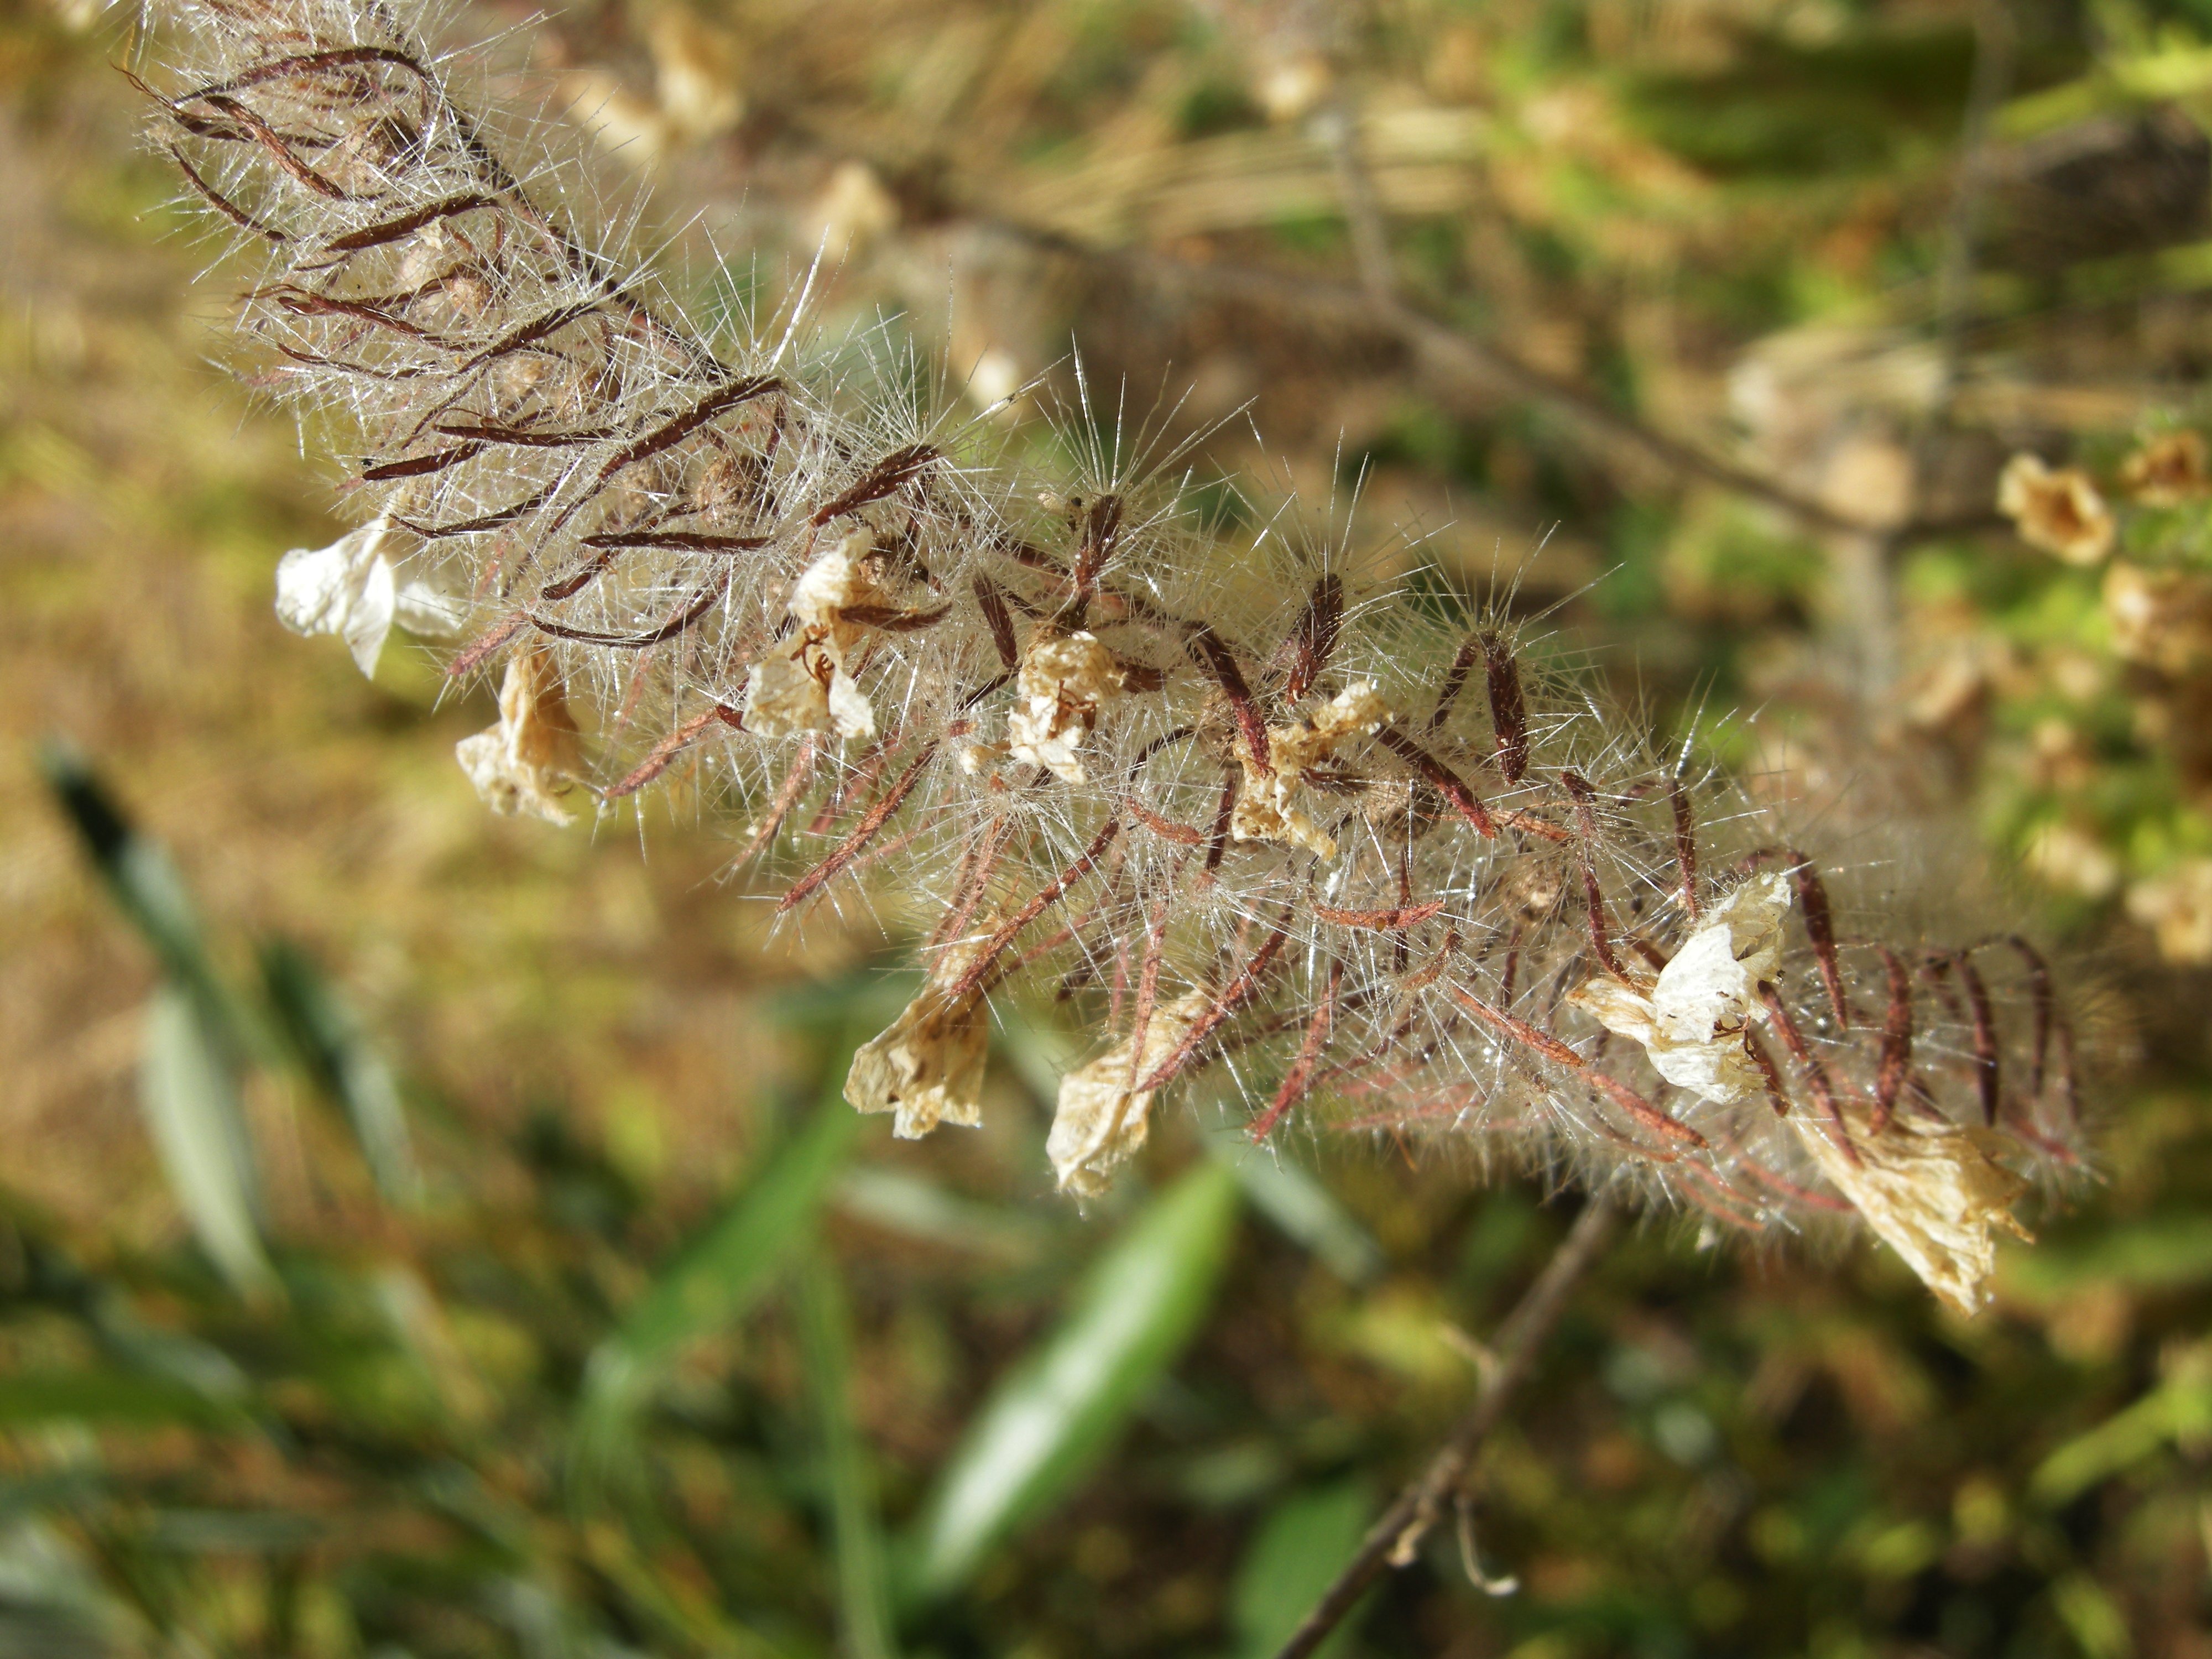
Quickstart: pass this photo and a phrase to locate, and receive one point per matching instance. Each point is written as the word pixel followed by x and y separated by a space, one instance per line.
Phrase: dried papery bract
pixel 356 589
pixel 1064 682
pixel 1694 1018
pixel 1934 1192
pixel 1267 803
pixel 801 685
pixel 1103 1116
pixel 347 589
pixel 917 681
pixel 927 1066
pixel 524 764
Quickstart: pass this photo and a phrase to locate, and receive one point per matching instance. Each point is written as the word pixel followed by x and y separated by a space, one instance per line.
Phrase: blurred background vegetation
pixel 424 1234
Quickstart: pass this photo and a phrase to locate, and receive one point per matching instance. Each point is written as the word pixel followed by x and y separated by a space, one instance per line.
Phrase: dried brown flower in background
pixel 2162 618
pixel 2059 512
pixel 2169 470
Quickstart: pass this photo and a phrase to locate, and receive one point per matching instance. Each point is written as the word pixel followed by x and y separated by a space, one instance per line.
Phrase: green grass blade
pixel 57 1606
pixel 1060 1407
pixel 1301 1545
pixel 713 1283
pixel 129 1342
pixel 2178 1411
pixel 825 1338
pixel 126 1341
pixel 906 1204
pixel 151 894
pixel 188 1090
pixel 343 1066
pixel 109 1396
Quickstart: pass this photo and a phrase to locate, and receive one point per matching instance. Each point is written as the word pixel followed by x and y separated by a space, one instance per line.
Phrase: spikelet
pixel 1285 833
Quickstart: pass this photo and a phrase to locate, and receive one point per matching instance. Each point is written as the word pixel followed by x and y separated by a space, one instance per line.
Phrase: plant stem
pixel 1392 1540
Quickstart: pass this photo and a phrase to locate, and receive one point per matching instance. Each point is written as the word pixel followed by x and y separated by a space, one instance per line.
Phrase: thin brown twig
pixel 1356 195
pixel 1392 1540
pixel 1996 50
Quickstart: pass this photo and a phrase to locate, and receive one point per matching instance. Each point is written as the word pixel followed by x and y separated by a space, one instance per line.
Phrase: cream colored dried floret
pixel 1691 1020
pixel 1266 809
pixel 801 685
pixel 1931 1192
pixel 1103 1118
pixel 927 1066
pixel 1065 681
pixel 347 588
pixel 523 764
pixel 353 588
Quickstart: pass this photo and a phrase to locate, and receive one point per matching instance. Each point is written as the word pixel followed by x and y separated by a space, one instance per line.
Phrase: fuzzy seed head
pixel 1282 832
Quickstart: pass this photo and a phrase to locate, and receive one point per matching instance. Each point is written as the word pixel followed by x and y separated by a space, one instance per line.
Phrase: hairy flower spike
pixel 1233 804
